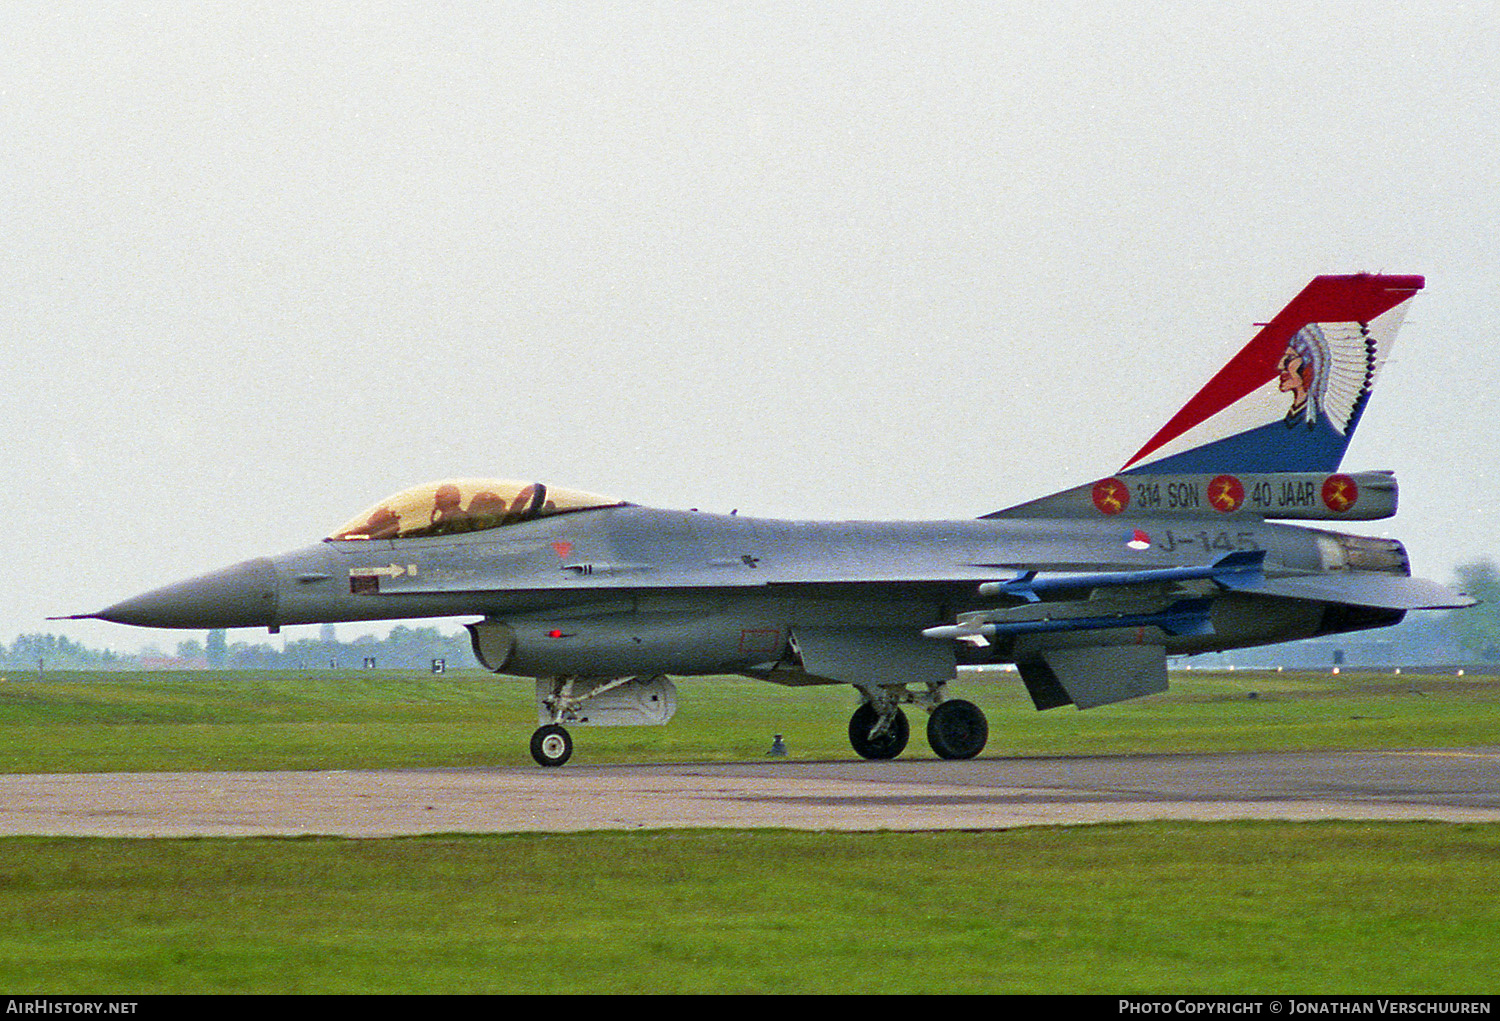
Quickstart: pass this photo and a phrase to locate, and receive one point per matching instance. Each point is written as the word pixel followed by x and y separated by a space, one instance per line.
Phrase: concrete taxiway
pixel 1455 785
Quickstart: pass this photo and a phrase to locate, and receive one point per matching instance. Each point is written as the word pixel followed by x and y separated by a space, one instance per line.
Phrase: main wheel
pixel 957 729
pixel 887 745
pixel 551 745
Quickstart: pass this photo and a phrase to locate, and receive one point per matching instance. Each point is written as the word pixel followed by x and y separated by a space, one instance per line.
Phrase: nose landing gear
pixel 551 745
pixel 596 702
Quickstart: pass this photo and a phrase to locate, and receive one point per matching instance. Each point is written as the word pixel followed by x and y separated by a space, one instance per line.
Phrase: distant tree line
pixel 63 653
pixel 404 648
pixel 1478 627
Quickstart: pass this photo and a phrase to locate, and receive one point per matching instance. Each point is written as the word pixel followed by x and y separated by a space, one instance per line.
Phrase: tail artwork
pixel 1291 399
pixel 1204 501
pixel 1265 436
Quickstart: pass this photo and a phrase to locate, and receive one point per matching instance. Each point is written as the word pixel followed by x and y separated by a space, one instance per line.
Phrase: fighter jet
pixel 1087 592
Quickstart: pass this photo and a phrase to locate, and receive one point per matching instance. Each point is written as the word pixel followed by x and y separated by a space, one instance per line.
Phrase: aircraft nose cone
pixel 240 596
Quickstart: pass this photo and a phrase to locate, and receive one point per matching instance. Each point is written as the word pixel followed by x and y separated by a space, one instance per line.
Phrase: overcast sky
pixel 265 263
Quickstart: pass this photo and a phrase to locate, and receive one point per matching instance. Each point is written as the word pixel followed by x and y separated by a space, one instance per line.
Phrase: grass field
pixel 81 722
pixel 1146 908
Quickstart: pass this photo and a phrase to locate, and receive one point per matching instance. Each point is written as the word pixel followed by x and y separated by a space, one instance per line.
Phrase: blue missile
pixel 1186 617
pixel 1237 570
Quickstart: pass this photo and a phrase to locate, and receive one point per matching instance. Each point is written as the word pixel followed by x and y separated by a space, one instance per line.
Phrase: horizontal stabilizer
pixel 1094 676
pixel 1364 588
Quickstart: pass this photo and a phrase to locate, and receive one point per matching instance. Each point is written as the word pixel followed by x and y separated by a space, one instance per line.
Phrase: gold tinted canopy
pixel 465 505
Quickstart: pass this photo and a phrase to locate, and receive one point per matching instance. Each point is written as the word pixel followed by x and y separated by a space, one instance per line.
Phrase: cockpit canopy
pixel 465 505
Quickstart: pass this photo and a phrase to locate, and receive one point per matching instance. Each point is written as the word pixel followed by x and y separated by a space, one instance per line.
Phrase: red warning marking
pixel 1111 496
pixel 760 641
pixel 562 547
pixel 1340 492
pixel 1226 494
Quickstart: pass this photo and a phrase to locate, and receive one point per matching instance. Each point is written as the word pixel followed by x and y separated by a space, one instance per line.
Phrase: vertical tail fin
pixel 1290 400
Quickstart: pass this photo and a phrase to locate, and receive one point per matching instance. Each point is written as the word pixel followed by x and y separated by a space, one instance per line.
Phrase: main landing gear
pixel 956 729
pixel 875 737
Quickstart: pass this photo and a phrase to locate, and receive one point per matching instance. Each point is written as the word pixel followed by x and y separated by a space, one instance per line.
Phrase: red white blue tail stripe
pixel 1290 400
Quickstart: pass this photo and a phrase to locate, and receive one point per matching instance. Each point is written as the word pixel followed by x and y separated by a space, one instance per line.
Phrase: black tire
pixel 551 745
pixel 957 729
pixel 886 746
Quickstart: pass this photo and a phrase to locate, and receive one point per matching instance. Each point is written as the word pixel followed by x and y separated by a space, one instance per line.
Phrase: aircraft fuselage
pixel 642 590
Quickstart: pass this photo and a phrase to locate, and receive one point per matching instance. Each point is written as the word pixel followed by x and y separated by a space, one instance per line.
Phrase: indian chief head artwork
pixel 1328 368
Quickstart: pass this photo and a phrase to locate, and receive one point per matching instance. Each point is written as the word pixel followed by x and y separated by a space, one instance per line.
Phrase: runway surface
pixel 1456 785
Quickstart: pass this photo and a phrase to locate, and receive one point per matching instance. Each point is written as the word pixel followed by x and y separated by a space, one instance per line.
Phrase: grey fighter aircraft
pixel 1087 592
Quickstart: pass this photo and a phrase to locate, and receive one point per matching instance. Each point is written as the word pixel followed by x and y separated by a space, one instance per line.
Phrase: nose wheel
pixel 551 745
